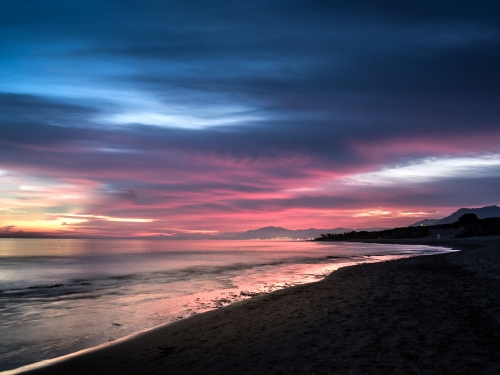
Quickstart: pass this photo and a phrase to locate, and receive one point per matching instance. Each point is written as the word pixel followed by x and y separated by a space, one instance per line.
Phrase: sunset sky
pixel 160 118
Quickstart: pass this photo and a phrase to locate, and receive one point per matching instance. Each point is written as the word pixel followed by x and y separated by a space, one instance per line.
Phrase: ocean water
pixel 61 296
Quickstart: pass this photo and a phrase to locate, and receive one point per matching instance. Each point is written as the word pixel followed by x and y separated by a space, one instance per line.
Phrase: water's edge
pixel 226 302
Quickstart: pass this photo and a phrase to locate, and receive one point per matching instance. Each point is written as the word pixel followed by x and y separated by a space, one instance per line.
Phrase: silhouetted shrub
pixel 467 218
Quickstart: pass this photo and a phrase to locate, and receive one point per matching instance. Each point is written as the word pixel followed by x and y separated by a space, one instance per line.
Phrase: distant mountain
pixel 269 233
pixel 482 213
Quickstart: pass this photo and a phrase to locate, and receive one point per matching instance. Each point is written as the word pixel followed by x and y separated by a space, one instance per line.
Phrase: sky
pixel 170 118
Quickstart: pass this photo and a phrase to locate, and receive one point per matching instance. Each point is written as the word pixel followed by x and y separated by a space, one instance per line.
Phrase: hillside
pixel 481 213
pixel 459 229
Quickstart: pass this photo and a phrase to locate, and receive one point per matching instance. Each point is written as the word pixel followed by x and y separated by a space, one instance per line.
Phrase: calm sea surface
pixel 61 296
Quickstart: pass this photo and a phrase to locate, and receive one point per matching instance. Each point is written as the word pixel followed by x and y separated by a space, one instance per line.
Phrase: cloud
pixel 190 111
pixel 431 169
pixel 179 121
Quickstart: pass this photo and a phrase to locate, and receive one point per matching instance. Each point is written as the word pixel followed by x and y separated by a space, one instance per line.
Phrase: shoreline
pixel 292 331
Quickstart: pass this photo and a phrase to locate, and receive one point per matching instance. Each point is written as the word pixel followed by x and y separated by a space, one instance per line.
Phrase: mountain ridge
pixel 272 232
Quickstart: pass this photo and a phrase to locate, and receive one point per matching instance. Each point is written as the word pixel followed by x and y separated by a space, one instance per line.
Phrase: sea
pixel 61 296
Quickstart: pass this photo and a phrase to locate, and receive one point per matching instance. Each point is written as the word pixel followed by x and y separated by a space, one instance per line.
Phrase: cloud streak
pixel 421 171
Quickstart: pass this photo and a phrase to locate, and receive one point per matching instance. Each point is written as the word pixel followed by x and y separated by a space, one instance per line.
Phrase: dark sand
pixel 435 314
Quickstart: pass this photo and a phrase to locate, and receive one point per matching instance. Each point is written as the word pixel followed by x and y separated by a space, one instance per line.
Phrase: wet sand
pixel 436 314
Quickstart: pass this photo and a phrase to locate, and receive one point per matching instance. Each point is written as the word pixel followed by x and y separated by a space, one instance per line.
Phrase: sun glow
pixel 372 213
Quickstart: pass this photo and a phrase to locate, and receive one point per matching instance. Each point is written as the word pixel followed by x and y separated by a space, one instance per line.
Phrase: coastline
pixel 428 314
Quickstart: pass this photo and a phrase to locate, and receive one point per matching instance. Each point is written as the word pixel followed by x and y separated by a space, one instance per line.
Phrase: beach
pixel 436 314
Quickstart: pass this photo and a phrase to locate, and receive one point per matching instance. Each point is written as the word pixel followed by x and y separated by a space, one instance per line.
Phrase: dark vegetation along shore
pixel 467 225
pixel 436 314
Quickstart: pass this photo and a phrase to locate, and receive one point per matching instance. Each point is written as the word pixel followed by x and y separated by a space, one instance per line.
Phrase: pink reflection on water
pixel 248 285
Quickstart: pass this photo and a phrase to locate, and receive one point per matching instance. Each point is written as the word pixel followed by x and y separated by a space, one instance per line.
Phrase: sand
pixel 435 314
